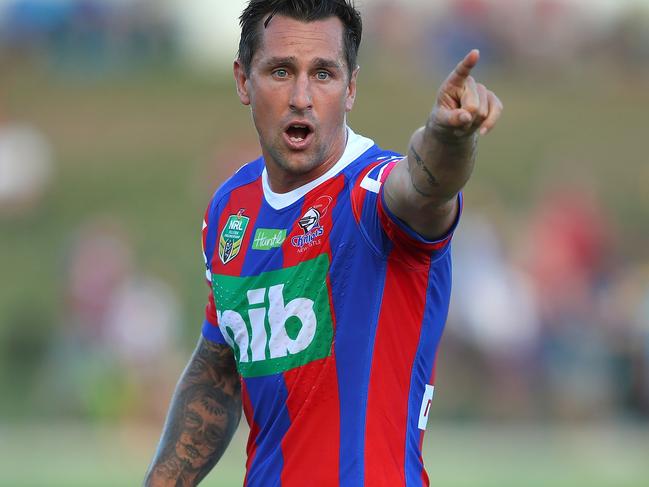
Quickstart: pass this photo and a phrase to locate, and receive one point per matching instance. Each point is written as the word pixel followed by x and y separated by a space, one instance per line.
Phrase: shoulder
pixel 247 174
pixel 372 166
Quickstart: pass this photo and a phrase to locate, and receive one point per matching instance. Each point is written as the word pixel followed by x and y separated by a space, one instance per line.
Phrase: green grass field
pixel 457 455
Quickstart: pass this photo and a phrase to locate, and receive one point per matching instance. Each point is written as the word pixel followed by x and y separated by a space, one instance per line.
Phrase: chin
pixel 302 167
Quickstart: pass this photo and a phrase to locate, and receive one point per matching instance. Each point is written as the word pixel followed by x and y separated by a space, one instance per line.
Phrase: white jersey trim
pixel 356 146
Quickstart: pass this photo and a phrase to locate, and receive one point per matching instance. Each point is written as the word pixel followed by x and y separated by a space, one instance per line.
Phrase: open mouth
pixel 193 452
pixel 298 134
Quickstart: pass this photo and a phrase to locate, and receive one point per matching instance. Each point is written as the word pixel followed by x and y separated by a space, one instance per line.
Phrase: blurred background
pixel 118 120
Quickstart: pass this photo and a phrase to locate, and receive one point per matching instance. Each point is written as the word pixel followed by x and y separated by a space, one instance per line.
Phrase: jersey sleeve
pixel 381 228
pixel 211 330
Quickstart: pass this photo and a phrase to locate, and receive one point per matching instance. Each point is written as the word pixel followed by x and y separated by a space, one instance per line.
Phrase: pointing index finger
pixel 463 69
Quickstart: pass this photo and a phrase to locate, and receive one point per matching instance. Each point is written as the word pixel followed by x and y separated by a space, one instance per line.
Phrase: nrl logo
pixel 232 236
pixel 310 222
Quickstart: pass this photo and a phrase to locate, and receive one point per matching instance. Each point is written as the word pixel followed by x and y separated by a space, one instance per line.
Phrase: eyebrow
pixel 292 60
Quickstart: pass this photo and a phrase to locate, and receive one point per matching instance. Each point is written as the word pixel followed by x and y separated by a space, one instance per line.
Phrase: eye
pixel 280 73
pixel 192 420
pixel 322 75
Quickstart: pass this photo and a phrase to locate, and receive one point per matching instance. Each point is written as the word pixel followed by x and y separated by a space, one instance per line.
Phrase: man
pixel 329 263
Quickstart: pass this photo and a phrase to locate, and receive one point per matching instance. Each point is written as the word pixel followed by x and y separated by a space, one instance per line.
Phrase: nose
pixel 301 94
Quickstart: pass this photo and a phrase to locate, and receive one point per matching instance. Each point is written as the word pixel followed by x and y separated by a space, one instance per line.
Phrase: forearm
pixel 204 413
pixel 440 162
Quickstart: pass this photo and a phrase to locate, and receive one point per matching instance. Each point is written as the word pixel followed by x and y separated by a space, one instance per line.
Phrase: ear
pixel 351 90
pixel 241 79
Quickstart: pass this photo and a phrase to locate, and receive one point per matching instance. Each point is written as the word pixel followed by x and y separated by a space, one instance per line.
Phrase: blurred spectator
pixel 120 336
pixel 569 255
pixel 493 300
pixel 628 41
pixel 570 247
pixel 26 166
pixel 467 25
pixel 494 309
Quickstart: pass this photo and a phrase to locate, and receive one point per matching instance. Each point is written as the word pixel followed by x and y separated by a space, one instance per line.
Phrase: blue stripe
pixel 212 333
pixel 268 399
pixel 436 311
pixel 356 304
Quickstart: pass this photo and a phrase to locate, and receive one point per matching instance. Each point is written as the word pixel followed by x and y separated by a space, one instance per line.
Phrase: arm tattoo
pixel 204 414
pixel 432 181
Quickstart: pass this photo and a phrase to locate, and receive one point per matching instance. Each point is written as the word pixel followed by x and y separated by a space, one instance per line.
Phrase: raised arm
pixel 204 414
pixel 422 189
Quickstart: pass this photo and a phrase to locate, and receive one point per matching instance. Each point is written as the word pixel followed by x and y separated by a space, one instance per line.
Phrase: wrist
pixel 450 135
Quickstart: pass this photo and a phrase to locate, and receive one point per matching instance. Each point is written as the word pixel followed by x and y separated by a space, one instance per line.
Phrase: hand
pixel 463 105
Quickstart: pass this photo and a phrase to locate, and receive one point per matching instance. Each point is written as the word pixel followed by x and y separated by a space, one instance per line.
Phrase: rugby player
pixel 329 265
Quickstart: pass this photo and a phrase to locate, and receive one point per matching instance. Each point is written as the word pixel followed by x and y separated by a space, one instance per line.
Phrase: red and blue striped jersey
pixel 334 309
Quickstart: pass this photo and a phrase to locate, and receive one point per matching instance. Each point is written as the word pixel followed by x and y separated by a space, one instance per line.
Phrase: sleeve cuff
pixel 398 231
pixel 213 333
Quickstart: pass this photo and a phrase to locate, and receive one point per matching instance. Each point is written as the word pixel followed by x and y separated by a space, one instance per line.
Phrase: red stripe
pixel 311 445
pixel 387 170
pixel 399 235
pixel 247 198
pixel 251 448
pixel 210 309
pixel 395 347
pixel 358 193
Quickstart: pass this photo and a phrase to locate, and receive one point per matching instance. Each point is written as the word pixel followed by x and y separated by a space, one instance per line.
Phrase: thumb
pixel 454 118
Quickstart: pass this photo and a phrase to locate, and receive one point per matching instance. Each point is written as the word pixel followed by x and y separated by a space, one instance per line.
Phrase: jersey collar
pixel 356 146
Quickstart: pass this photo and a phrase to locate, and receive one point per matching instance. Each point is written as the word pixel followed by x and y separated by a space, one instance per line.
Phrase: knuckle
pixel 473 109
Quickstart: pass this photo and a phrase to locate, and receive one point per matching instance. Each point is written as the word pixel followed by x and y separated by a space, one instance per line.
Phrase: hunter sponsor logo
pixel 310 223
pixel 268 238
pixel 277 320
pixel 232 236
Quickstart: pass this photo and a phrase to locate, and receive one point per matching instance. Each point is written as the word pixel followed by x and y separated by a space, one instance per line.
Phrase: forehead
pixel 284 37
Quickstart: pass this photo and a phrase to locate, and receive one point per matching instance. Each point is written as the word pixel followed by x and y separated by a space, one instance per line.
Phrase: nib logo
pixel 278 320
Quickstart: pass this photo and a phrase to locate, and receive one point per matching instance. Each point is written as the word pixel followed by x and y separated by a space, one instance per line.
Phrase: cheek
pixel 265 116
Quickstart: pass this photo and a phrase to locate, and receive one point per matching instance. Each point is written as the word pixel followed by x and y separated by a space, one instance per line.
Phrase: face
pixel 201 433
pixel 299 90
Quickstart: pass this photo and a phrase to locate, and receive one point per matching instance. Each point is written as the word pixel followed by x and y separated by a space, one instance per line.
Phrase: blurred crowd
pixel 549 311
pixel 538 34
pixel 548 317
pixel 91 36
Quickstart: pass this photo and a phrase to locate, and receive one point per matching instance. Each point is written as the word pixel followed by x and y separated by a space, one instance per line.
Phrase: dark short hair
pixel 306 11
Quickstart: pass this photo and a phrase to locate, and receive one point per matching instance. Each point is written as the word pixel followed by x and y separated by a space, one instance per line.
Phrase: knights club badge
pixel 232 236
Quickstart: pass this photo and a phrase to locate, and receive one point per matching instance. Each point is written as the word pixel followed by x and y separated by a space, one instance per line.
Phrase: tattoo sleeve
pixel 204 413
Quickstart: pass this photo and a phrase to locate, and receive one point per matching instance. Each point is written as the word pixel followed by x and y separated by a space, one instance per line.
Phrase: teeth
pixel 296 139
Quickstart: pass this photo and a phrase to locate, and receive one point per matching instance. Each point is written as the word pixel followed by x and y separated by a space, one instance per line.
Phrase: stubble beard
pixel 282 158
